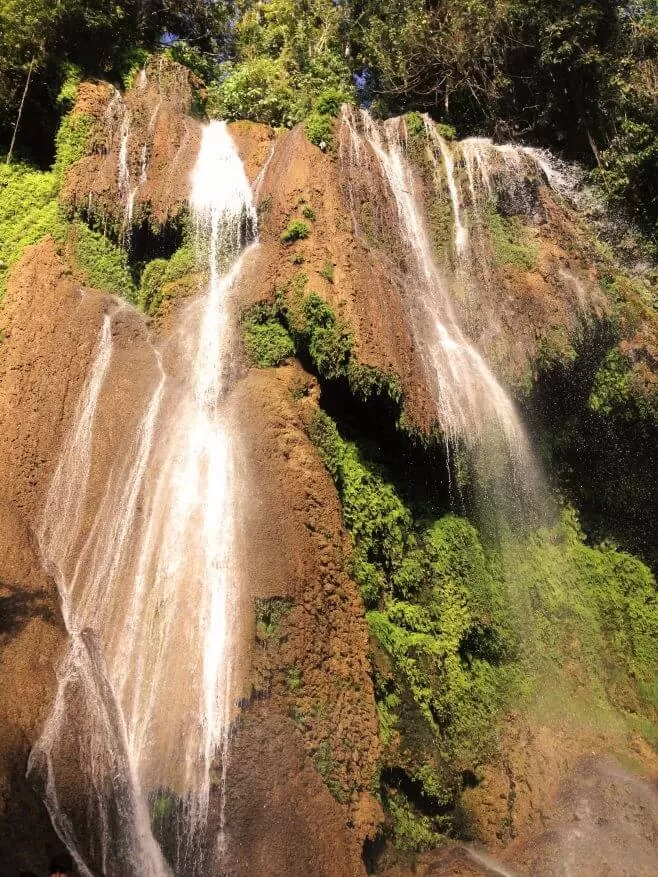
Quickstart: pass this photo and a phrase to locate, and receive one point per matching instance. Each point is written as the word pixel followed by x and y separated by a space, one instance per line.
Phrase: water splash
pixel 144 699
pixel 472 407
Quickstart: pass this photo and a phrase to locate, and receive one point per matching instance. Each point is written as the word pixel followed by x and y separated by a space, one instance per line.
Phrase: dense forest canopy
pixel 579 77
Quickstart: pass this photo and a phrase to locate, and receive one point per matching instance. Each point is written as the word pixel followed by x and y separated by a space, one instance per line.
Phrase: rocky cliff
pixel 400 671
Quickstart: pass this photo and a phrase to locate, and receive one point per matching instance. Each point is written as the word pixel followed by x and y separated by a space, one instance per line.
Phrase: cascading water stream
pixel 472 406
pixel 149 589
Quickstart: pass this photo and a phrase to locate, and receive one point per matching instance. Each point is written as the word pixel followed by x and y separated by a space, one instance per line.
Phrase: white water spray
pixel 145 696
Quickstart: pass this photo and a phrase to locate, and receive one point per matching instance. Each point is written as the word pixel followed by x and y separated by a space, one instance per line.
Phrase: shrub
pixel 266 341
pixel 308 213
pixel 104 265
pixel 69 89
pixel 319 128
pixel 71 142
pixel 448 132
pixel 327 271
pixel 159 277
pixel 415 124
pixel 259 90
pixel 329 101
pixel 619 390
pixel 28 212
pixel 329 341
pixel 297 230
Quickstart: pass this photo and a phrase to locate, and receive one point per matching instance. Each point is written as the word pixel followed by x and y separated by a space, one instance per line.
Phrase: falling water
pixel 461 234
pixel 472 406
pixel 127 191
pixel 144 699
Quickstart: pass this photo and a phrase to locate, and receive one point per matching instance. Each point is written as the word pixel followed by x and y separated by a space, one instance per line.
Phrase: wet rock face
pixel 140 151
pixel 305 742
pixel 31 641
pixel 310 684
pixel 42 368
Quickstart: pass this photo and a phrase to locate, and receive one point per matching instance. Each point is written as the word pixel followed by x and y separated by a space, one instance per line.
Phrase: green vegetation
pixel 624 390
pixel 314 327
pixel 288 66
pixel 297 230
pixel 70 143
pixel 509 241
pixel 159 279
pixel 45 47
pixel 104 265
pixel 460 630
pixel 576 76
pixel 294 678
pixel 308 212
pixel 266 341
pixel 298 321
pixel 326 767
pixel 270 613
pixel 327 271
pixel 28 211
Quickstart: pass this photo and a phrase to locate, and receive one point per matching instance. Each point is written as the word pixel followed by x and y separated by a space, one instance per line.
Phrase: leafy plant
pixel 266 341
pixel 327 271
pixel 297 230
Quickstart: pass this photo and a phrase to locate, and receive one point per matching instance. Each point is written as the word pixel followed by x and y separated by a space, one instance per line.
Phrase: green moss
pixel 104 265
pixel 163 805
pixel 266 340
pixel 459 633
pixel 28 212
pixel 555 347
pixel 509 241
pixel 71 142
pixel 294 680
pixel 441 221
pixel 297 230
pixel 413 831
pixel 160 279
pixel 326 767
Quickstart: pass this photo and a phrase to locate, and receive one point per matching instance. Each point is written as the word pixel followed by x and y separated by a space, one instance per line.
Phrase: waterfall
pixel 461 233
pixel 127 191
pixel 472 407
pixel 141 715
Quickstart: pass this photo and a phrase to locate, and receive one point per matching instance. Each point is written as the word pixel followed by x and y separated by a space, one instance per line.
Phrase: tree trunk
pixel 20 109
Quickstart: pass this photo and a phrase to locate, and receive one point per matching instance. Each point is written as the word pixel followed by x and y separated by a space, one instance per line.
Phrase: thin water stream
pixel 472 407
pixel 148 589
